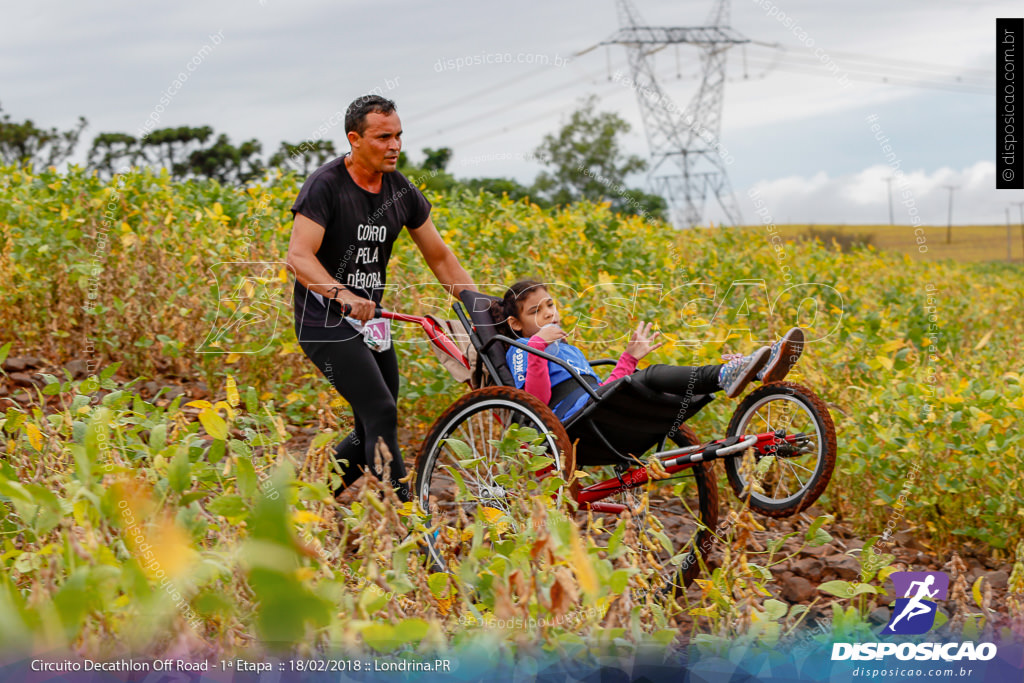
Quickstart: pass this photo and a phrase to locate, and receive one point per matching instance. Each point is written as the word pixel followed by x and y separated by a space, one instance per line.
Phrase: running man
pixel 348 215
pixel 914 608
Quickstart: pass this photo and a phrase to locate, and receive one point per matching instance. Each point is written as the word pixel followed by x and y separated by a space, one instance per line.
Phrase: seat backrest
pixel 479 308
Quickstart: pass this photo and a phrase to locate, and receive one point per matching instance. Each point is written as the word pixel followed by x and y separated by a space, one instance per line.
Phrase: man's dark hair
pixel 355 116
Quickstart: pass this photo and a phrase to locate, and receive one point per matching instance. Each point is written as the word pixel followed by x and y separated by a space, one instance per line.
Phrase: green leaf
pixel 216 452
pixel 251 402
pixel 763 465
pixel 461 448
pixel 13 419
pixel 240 448
pixel 83 464
pixel 776 543
pixel 323 438
pixel 538 462
pixel 410 631
pixel 840 589
pixel 619 580
pixel 89 386
pixel 72 602
pixel 157 438
pixel 615 540
pixel 380 637
pixel 114 397
pixel 763 572
pixel 286 609
pixel 179 473
pixel 4 350
pixel 191 497
pixel 438 584
pixel 109 371
pixel 245 477
pixel 230 506
pixel 775 609
pixel 372 599
pixel 816 535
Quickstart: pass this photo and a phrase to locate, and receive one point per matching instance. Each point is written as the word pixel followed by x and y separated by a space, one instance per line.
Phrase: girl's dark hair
pixel 509 305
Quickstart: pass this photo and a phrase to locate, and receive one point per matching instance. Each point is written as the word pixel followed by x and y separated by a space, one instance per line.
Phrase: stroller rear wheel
pixel 674 518
pixel 462 472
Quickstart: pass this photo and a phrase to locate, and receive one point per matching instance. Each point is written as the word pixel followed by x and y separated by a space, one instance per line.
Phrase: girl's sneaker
pixel 784 355
pixel 738 372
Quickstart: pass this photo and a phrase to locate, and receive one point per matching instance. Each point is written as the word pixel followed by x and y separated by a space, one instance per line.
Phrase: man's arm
pixel 307 235
pixel 440 259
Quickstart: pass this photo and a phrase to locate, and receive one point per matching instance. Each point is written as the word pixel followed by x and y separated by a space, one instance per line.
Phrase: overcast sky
pixel 277 70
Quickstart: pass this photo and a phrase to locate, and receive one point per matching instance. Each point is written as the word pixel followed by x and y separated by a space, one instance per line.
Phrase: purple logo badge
pixel 914 612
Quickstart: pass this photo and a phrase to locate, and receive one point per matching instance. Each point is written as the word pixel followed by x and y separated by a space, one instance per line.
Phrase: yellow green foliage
pixel 920 364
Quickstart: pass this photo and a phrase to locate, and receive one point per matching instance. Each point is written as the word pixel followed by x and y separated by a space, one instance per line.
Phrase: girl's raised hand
pixel 550 333
pixel 642 341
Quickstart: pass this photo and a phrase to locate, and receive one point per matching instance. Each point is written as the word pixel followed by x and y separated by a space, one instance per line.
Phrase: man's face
pixel 378 147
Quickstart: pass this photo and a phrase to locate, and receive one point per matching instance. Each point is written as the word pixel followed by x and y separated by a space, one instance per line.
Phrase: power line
pixel 945 76
pixel 502 108
pixel 859 67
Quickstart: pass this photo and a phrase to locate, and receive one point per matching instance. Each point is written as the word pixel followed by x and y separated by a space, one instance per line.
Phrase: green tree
pixel 503 186
pixel 303 158
pixel 430 175
pixel 112 151
pixel 25 143
pixel 642 204
pixel 436 159
pixel 172 147
pixel 586 161
pixel 226 163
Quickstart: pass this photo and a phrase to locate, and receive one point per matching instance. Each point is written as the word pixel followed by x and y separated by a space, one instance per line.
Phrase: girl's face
pixel 536 309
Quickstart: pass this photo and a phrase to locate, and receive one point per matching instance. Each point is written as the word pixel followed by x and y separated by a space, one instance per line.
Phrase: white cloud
pixel 862 198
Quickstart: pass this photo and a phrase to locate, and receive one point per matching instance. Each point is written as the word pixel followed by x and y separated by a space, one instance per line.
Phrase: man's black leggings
pixel 368 380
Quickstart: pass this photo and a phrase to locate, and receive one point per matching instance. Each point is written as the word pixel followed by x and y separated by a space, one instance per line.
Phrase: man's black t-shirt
pixel 359 229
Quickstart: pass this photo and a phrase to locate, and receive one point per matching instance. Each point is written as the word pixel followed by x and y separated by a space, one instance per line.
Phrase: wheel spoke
pixel 797 476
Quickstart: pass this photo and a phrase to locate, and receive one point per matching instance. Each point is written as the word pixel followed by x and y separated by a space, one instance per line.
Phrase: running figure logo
pixel 914 613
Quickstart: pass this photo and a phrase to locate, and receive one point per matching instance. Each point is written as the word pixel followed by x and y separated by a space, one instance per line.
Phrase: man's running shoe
pixel 784 355
pixel 738 372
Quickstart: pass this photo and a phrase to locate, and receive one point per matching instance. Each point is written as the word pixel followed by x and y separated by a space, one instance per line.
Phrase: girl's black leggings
pixel 368 380
pixel 680 379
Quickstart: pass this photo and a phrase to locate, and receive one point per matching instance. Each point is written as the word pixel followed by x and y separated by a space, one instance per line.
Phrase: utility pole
pixel 1020 205
pixel 888 181
pixel 949 229
pixel 1009 238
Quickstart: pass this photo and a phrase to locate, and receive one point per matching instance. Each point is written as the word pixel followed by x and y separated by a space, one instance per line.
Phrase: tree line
pixel 583 160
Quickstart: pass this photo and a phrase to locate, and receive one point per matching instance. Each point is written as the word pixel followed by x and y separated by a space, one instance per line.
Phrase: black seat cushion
pixel 631 418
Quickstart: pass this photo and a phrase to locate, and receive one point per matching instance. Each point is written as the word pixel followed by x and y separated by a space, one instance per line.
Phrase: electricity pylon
pixel 687 159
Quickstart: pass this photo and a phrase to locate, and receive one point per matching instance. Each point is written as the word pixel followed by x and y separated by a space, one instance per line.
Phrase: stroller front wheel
pixel 791 473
